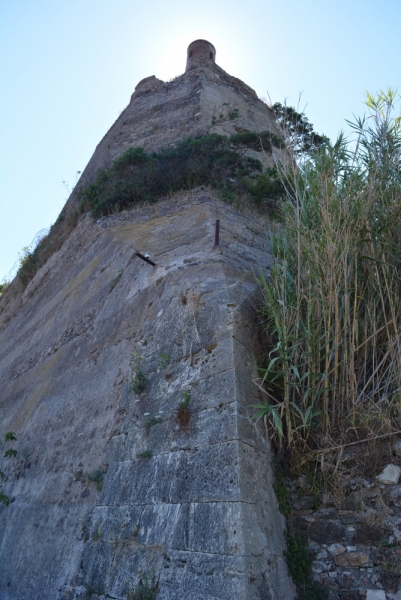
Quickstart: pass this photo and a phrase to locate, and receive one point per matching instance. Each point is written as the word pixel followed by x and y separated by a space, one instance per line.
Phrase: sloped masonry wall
pixel 191 506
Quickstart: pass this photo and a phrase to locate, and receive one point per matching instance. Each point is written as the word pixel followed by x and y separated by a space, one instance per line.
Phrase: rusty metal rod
pixel 217 233
pixel 146 259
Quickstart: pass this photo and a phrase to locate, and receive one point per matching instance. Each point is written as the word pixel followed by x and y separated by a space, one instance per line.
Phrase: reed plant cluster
pixel 332 305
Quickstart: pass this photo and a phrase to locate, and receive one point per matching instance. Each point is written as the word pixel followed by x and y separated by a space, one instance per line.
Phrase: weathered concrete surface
pixel 200 514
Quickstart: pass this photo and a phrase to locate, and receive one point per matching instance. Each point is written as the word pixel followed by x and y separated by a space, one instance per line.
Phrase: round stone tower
pixel 200 53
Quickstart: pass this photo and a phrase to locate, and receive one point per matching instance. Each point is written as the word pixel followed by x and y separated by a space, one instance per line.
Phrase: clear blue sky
pixel 67 69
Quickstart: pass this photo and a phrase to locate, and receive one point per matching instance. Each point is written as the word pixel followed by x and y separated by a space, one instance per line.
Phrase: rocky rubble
pixel 357 547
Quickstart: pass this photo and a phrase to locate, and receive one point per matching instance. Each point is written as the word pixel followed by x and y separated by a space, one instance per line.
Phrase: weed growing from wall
pixel 164 360
pixel 144 454
pixel 138 377
pixel 298 556
pixel 152 422
pixel 97 534
pixel 93 588
pixel 145 590
pixel 139 382
pixel 183 412
pixel 97 478
pixel 116 279
pixel 9 453
pixel 300 560
pixel 281 491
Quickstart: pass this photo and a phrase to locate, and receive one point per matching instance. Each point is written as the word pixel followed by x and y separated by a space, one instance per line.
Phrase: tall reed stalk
pixel 332 305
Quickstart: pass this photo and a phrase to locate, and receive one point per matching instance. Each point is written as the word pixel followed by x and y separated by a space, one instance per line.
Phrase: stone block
pixel 326 531
pixel 336 549
pixel 352 559
pixel 368 535
pixel 390 475
pixel 375 595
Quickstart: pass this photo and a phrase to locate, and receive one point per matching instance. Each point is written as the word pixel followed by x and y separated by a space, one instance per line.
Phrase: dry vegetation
pixel 332 307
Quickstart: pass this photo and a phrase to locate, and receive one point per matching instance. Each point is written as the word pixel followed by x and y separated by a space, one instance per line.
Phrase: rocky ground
pixel 357 544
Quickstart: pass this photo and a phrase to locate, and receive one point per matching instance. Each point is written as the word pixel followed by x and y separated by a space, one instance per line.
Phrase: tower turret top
pixel 200 53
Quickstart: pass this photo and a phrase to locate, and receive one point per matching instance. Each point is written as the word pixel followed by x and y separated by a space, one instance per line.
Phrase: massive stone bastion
pixel 127 369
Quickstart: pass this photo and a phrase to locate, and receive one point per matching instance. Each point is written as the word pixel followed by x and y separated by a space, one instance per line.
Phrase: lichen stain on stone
pixel 40 382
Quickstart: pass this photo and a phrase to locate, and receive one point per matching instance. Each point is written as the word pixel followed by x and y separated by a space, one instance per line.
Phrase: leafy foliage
pixel 299 132
pixel 97 478
pixel 28 265
pixel 138 377
pixel 152 422
pixel 9 453
pixel 139 382
pixel 268 185
pixel 299 560
pixel 164 360
pixel 216 160
pixel 282 494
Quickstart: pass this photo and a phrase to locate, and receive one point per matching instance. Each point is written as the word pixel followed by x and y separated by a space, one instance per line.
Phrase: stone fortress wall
pixel 110 484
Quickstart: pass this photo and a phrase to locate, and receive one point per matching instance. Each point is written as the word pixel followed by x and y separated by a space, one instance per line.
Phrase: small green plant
pixel 139 382
pixel 135 532
pixel 316 500
pixel 9 453
pixel 145 590
pixel 392 565
pixel 183 408
pixel 97 534
pixel 93 588
pixel 152 422
pixel 138 377
pixel 227 113
pixel 187 397
pixel 97 478
pixel 165 360
pixel 28 267
pixel 384 543
pixel 3 287
pixel 144 454
pixel 299 560
pixel 116 279
pixel 282 495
